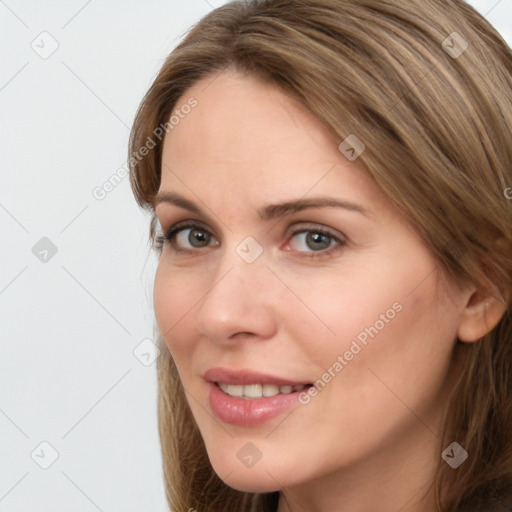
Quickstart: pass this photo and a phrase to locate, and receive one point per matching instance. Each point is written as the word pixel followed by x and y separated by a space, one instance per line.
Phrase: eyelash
pixel 168 238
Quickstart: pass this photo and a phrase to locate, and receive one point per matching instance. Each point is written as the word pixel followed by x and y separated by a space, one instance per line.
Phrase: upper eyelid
pixel 186 224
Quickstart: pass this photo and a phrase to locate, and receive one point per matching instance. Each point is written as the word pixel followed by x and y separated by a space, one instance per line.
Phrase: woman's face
pixel 347 297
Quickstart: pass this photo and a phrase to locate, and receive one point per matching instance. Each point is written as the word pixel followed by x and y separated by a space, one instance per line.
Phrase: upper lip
pixel 245 377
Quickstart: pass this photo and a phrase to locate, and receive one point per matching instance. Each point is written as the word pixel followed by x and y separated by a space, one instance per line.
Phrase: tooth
pixel 236 391
pixel 223 386
pixel 253 391
pixel 270 390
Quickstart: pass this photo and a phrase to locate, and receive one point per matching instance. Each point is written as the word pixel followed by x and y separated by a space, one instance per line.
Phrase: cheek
pixel 389 320
pixel 395 367
pixel 336 309
pixel 173 298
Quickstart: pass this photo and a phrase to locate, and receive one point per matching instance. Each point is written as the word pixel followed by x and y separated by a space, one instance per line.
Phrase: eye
pixel 183 234
pixel 189 237
pixel 196 237
pixel 316 241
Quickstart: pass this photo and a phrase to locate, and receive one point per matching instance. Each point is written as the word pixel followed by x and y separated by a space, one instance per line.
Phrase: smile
pixel 255 391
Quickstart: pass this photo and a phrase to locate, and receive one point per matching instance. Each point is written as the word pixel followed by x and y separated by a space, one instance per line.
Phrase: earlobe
pixel 481 315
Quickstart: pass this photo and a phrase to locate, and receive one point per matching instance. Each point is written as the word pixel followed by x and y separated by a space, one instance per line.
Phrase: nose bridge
pixel 236 300
pixel 241 265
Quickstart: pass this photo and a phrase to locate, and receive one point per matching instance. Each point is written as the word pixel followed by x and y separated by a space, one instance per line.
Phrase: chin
pixel 248 481
pixel 261 477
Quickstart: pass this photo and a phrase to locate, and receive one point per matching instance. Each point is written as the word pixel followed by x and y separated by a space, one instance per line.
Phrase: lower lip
pixel 246 413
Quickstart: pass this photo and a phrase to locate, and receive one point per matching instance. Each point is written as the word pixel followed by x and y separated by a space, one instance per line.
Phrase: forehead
pixel 238 116
pixel 246 137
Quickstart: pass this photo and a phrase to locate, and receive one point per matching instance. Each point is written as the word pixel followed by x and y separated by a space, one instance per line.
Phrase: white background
pixel 69 325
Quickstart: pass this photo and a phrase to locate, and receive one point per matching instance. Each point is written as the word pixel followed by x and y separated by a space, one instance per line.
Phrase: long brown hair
pixel 427 86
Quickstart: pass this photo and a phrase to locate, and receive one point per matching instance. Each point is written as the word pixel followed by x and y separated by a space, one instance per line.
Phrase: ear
pixel 482 313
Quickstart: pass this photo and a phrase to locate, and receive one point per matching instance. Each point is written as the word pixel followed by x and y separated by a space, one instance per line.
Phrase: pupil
pixel 317 239
pixel 197 236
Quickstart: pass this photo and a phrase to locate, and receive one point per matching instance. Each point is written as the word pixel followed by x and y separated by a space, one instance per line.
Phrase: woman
pixel 329 183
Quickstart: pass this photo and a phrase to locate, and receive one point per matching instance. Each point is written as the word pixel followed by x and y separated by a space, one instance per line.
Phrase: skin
pixel 370 439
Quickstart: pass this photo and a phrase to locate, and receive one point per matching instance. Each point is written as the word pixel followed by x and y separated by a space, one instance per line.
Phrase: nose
pixel 239 301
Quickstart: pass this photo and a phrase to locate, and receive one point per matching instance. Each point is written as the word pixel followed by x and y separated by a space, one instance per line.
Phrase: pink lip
pixel 243 412
pixel 243 377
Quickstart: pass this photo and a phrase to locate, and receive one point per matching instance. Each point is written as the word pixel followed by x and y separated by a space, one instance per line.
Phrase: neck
pixel 401 478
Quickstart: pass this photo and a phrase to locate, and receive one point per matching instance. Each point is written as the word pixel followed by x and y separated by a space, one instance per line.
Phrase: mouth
pixel 249 398
pixel 232 405
pixel 257 391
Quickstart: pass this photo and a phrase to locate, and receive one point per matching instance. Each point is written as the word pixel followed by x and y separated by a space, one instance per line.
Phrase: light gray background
pixel 73 371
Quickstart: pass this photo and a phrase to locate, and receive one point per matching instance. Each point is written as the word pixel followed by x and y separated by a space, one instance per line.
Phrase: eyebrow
pixel 270 211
